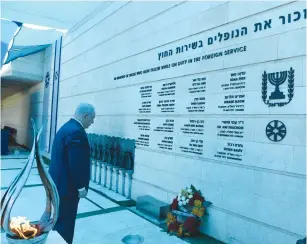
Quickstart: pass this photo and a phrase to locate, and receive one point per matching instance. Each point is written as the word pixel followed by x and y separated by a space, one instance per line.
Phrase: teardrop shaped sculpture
pixel 46 223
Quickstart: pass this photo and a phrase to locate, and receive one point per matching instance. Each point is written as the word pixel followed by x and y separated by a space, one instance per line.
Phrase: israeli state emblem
pixel 276 79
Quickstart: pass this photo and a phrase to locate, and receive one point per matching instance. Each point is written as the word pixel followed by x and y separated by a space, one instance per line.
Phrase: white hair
pixel 84 108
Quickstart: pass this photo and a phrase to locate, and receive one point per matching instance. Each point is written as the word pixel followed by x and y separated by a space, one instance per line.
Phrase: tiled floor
pixel 121 223
pixel 99 219
pixel 12 163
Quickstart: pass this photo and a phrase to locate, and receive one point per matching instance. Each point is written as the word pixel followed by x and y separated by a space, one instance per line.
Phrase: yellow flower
pixel 197 203
pixel 180 231
pixel 170 218
pixel 198 211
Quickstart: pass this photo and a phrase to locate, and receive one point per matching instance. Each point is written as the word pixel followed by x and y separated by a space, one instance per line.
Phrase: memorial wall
pixel 214 94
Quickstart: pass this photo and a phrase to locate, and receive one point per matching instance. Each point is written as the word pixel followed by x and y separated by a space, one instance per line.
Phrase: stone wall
pixel 18 109
pixel 27 102
pixel 193 83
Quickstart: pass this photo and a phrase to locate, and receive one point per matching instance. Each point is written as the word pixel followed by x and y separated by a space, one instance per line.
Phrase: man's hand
pixel 82 192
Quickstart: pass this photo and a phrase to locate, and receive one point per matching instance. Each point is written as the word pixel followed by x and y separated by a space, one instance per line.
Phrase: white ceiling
pixel 56 14
pixel 22 73
pixel 13 85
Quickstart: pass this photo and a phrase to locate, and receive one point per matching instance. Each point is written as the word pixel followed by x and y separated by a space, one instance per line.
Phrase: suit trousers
pixel 65 224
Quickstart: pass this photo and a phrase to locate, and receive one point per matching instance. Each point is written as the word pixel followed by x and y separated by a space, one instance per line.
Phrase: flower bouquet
pixel 187 209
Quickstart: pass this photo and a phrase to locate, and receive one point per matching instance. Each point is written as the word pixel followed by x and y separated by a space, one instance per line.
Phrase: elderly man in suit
pixel 301 241
pixel 70 167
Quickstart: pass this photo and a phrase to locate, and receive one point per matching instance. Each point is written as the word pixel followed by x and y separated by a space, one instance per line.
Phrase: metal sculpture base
pixel 41 239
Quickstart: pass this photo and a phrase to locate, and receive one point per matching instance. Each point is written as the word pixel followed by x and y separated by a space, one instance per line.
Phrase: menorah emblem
pixel 277 79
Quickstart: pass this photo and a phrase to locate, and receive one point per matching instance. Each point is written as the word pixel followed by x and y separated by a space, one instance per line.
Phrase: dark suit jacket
pixel 70 159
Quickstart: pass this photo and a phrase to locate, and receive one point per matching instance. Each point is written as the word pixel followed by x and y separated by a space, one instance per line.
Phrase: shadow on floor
pixel 200 239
